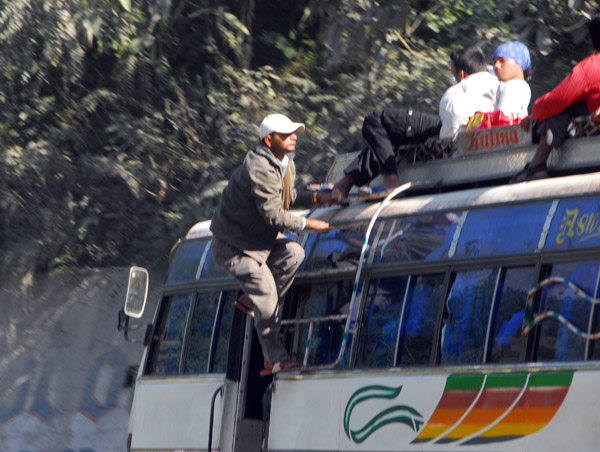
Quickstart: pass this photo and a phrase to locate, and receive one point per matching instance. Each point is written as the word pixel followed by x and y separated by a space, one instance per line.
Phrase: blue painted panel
pixel 576 224
pixel 501 231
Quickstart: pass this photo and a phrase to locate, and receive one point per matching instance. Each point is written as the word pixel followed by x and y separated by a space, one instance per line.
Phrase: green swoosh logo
pixel 403 414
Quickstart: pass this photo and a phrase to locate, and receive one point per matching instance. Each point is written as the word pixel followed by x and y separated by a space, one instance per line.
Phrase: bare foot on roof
pixel 340 190
pixel 391 181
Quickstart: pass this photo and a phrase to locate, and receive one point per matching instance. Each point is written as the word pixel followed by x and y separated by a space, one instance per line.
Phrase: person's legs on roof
pixel 552 132
pixel 384 131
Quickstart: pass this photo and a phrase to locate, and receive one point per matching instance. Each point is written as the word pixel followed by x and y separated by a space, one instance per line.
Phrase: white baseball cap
pixel 280 124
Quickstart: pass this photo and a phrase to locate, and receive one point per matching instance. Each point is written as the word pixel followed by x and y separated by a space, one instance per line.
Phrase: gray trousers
pixel 265 284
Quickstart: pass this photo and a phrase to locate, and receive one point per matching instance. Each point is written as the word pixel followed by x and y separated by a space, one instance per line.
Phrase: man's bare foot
pixel 391 181
pixel 341 189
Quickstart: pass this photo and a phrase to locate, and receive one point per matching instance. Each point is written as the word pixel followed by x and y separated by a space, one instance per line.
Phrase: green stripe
pixel 464 382
pixel 517 380
pixel 551 379
pixel 505 381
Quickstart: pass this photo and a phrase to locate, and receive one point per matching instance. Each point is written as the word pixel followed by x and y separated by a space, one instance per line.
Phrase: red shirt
pixel 583 83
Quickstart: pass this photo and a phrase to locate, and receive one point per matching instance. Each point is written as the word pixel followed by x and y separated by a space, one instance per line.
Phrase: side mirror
pixel 137 292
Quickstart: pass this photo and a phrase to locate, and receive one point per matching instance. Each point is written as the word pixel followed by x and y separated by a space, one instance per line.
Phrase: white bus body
pixel 435 357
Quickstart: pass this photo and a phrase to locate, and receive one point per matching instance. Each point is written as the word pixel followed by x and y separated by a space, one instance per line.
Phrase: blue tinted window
pixel 468 310
pixel 426 237
pixel 185 265
pixel 423 303
pixel 322 300
pixel 379 328
pixel 335 249
pixel 208 307
pixel 184 343
pixel 210 270
pixel 506 230
pixel 556 342
pixel 198 340
pixel 576 223
pixel 506 340
pixel 224 324
pixel 170 343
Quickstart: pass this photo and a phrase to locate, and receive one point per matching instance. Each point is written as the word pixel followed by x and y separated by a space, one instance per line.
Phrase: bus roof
pixel 553 188
pixel 491 166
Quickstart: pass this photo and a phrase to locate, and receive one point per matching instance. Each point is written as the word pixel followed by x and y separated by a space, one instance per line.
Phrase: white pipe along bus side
pixel 462 316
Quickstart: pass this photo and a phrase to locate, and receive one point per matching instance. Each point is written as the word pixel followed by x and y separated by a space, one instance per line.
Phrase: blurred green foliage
pixel 120 119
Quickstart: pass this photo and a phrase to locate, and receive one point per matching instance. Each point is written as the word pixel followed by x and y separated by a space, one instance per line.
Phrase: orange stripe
pixel 444 419
pixel 524 415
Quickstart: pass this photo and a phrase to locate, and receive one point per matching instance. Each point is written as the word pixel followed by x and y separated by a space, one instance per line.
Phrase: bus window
pixel 204 319
pixel 185 266
pixel 425 237
pixel 336 249
pixel 171 334
pixel 507 344
pixel 379 326
pixel 423 303
pixel 506 230
pixel 224 324
pixel 468 309
pixel 194 335
pixel 556 342
pixel 321 300
pixel 210 270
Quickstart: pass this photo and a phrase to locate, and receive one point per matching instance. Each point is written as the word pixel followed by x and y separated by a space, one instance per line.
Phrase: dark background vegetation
pixel 121 119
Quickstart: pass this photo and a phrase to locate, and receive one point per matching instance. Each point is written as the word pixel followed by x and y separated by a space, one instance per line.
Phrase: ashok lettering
pixel 579 226
pixel 491 138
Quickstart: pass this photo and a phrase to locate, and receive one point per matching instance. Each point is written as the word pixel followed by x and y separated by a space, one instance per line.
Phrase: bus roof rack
pixel 484 157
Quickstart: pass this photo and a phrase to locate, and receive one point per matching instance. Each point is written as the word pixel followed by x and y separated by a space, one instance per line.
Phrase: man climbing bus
pixel 247 228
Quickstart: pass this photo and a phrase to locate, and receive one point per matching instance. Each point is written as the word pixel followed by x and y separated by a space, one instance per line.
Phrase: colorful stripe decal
pixel 501 407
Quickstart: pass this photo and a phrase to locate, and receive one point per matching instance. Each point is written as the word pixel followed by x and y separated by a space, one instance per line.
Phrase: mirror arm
pixel 123 325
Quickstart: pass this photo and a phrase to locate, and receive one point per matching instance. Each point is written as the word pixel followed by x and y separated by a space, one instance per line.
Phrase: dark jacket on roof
pixel 251 211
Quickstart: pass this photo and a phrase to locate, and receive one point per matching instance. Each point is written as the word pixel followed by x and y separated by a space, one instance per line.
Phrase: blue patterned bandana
pixel 515 50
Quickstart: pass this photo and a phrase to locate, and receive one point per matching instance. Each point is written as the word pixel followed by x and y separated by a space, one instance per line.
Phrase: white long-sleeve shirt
pixel 513 97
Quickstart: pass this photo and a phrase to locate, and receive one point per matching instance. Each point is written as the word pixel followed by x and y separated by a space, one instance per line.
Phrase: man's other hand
pixel 526 123
pixel 317 225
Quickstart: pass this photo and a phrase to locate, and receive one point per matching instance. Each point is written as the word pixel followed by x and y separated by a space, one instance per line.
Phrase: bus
pixel 462 316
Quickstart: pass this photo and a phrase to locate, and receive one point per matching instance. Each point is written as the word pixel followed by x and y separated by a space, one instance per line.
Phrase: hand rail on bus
pixel 348 317
pixel 530 320
pixel 212 415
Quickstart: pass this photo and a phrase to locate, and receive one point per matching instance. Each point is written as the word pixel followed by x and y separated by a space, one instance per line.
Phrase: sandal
pixel 271 369
pixel 244 306
pixel 529 173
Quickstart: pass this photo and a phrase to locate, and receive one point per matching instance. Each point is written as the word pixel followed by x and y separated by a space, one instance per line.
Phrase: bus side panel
pixel 513 411
pixel 175 414
pixel 335 413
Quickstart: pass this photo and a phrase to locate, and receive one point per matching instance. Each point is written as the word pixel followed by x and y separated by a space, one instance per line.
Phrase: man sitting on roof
pixel 512 65
pixel 385 130
pixel 578 94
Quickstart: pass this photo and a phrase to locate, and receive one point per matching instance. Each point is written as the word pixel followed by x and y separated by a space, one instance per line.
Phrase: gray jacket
pixel 250 213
